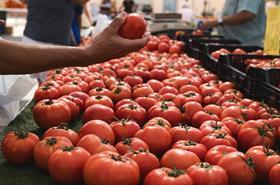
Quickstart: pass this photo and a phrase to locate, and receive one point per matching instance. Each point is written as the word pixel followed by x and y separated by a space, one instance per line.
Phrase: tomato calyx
pixel 250 162
pixel 49 102
pixel 160 123
pixel 104 141
pixel 98 97
pixel 175 172
pixel 98 89
pixel 188 95
pixel 51 141
pixel 124 121
pixel 220 135
pixel 118 90
pixel 68 148
pixel 164 106
pixel 140 150
pixel 21 134
pixel 190 143
pixel 132 107
pixel 205 165
pixel 238 121
pixel 262 131
pixel 127 141
pixel 117 157
pixel 46 87
pixel 62 126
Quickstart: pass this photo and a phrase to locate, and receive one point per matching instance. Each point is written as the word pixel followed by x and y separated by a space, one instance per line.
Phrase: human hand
pixel 109 45
pixel 209 24
pixel 2 22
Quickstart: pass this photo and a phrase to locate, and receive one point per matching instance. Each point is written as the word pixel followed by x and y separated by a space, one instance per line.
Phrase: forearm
pixel 30 59
pixel 239 18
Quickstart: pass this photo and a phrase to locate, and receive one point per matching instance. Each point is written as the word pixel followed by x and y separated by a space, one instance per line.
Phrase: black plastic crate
pixel 211 63
pixel 172 32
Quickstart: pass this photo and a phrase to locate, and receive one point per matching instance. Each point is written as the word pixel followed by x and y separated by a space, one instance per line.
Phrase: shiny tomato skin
pixel 134 27
pixel 94 144
pixel 50 113
pixel 183 132
pixel 190 108
pixel 204 173
pixel 66 165
pixel 158 121
pixel 217 152
pixel 74 108
pixel 83 96
pixel 130 144
pixel 124 129
pixel 100 112
pixel 155 84
pixel 197 148
pixel 17 147
pixel 46 92
pixel 43 150
pixel 209 127
pixel 99 99
pixel 145 160
pixel 120 93
pixel 215 139
pixel 274 177
pixel 234 124
pixel 146 102
pixel 120 170
pixel 202 116
pixel 98 128
pixel 164 176
pixel 238 169
pixel 62 131
pixel 179 158
pixel 133 112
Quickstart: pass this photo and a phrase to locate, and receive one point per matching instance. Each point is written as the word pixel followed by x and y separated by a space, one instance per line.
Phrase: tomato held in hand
pixel 207 174
pixel 43 149
pixel 164 176
pixel 134 27
pixel 17 147
pixel 50 113
pixel 66 165
pixel 109 168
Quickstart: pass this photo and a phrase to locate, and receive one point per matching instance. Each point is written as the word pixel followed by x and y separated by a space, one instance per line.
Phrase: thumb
pixel 138 44
pixel 117 22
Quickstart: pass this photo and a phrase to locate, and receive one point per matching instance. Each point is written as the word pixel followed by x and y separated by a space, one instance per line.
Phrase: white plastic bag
pixel 102 22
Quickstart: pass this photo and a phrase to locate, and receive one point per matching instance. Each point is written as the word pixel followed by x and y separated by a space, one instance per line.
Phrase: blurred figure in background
pixel 128 6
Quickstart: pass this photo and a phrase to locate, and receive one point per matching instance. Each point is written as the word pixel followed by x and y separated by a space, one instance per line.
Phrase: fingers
pixel 117 22
pixel 139 43
pixel 2 22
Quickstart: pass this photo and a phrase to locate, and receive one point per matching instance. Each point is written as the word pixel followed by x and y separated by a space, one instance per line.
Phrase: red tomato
pixel 98 128
pixel 83 85
pixel 152 45
pixel 239 51
pixel 205 173
pixel 156 146
pixel 168 89
pixel 179 159
pixel 155 84
pixel 120 93
pixel 234 124
pixel 50 113
pixel 134 27
pixel 189 145
pixel 132 111
pixel 101 91
pixel 62 131
pixel 140 91
pixel 163 47
pixel 145 160
pixel 94 144
pixel 263 161
pixel 209 127
pixel 146 102
pixel 99 99
pixel 120 170
pixel 74 108
pixel 226 86
pixel 189 97
pixel 46 92
pixel 215 139
pixel 100 112
pixel 69 88
pixel 43 150
pixel 217 152
pixel 158 121
pixel 130 144
pixel 239 168
pixel 164 176
pixel 76 100
pixel 174 49
pixel 274 177
pixel 83 96
pixel 202 116
pixel 123 102
pixel 124 129
pixel 232 111
pixel 190 108
pixel 215 109
pixel 66 165
pixel 187 88
pixel 259 132
pixel 133 80
pixel 183 132
pixel 17 147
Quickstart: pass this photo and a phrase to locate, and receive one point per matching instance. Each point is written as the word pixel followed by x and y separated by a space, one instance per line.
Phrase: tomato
pixel 274 177
pixel 123 102
pixel 187 88
pixel 156 146
pixel 189 145
pixel 202 116
pixel 215 109
pixel 164 176
pixel 189 97
pixel 17 147
pixel 164 110
pixel 133 80
pixel 179 159
pixel 146 102
pixel 98 128
pixel 158 121
pixel 69 88
pixel 156 85
pixel 100 112
pixel 239 51
pixel 145 160
pixel 217 152
pixel 239 168
pixel 62 131
pixel 140 91
pixel 163 47
pixel 132 111
pixel 83 85
pixel 263 161
pixel 234 124
pixel 51 83
pixel 124 129
pixel 275 122
pixel 46 92
pixel 76 100
pixel 190 108
pixel 232 111
pixel 120 93
pixel 101 91
pixel 130 144
pixel 74 108
pixel 50 113
pixel 152 45
pixel 209 127
pixel 174 49
pixel 183 132
pixel 119 170
pixel 168 89
pixel 207 174
pixel 226 86
pixel 94 144
pixel 259 132
pixel 99 99
pixel 43 149
pixel 66 165
pixel 134 27
pixel 97 83
pixel 215 139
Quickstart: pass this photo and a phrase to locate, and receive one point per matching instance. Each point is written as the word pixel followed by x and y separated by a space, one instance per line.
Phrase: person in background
pixel 76 24
pixel 128 6
pixel 243 20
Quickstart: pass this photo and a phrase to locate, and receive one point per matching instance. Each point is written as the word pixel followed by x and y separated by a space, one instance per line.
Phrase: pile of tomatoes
pixel 154 117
